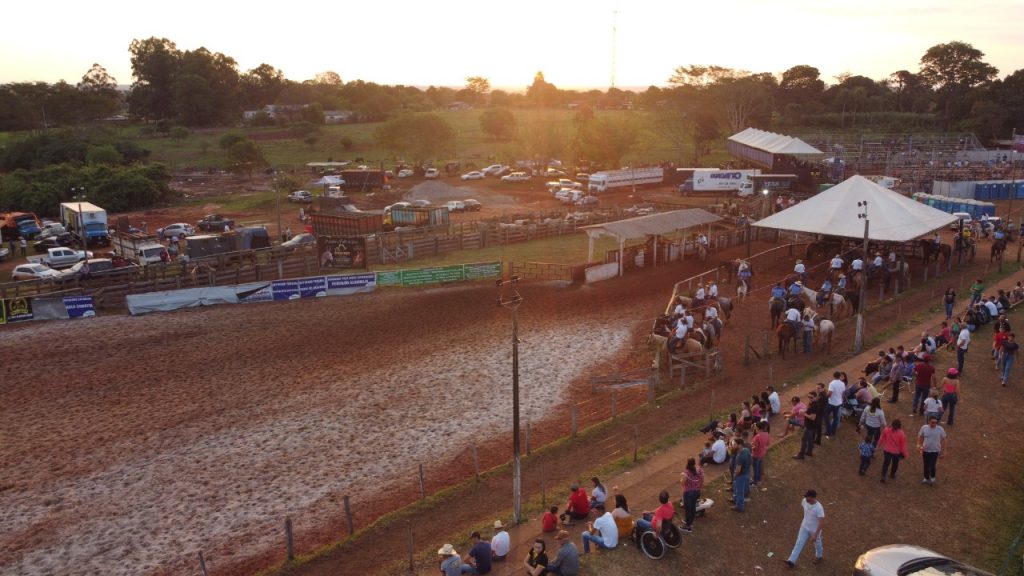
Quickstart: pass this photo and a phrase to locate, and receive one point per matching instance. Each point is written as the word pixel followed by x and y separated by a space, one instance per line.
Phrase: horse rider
pixel 778 292
pixel 793 317
pixel 698 298
pixel 826 288
pixel 876 264
pixel 841 285
pixel 836 265
pixel 713 290
pixel 801 270
pixel 796 288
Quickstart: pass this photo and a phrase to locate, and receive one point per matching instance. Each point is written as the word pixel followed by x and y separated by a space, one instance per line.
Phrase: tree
pixel 498 123
pixel 952 70
pixel 418 137
pixel 154 67
pixel 244 156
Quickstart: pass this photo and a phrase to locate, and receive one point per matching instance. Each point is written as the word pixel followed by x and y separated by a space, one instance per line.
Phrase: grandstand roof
pixel 774 143
pixel 893 217
pixel 652 224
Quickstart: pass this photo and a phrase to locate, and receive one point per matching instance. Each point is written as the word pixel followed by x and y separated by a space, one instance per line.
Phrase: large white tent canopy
pixel 893 217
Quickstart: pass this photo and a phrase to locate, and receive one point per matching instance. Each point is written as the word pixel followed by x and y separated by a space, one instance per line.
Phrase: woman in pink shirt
pixel 894 446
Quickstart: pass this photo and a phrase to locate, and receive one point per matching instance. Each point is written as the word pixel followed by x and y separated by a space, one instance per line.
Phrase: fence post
pixel 348 514
pixel 423 488
pixel 288 537
pixel 573 420
pixel 202 564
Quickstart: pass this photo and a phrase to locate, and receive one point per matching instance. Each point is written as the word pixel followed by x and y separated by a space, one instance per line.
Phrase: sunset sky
pixel 435 43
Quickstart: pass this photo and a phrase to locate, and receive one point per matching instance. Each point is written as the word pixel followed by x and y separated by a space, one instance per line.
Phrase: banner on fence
pixel 439 275
pixel 45 308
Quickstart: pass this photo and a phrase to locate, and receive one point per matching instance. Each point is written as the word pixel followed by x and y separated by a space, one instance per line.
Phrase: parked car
pixel 515 177
pixel 455 205
pixel 214 223
pixel 405 173
pixel 431 174
pixel 303 239
pixel 179 229
pixel 61 240
pixel 910 560
pixel 471 205
pixel 33 271
pixel 474 175
pixel 303 196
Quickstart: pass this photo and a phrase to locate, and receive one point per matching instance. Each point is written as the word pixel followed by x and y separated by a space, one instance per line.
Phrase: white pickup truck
pixel 61 257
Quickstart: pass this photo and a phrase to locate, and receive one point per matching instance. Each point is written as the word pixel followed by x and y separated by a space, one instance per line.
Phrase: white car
pixel 474 175
pixel 515 177
pixel 179 229
pixel 33 272
pixel 431 174
pixel 405 173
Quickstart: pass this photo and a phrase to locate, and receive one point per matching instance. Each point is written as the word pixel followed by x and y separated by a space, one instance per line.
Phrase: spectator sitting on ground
pixel 578 506
pixel 500 543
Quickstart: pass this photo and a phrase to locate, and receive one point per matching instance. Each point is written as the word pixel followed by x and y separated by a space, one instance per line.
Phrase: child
pixel 932 406
pixel 867 452
pixel 550 521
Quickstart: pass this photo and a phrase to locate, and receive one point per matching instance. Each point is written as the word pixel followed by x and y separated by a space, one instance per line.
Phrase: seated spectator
pixel 578 506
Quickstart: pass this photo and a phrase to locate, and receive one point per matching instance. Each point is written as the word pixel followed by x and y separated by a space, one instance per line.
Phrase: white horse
pixel 826 329
pixel 838 302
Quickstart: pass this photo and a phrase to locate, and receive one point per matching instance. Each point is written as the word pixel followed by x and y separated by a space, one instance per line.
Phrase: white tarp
pixel 893 217
pixel 774 143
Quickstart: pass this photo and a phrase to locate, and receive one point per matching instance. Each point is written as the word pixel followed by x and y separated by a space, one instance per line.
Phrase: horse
pixel 836 301
pixel 929 250
pixel 785 333
pixel 826 329
pixel 776 306
pixel 998 247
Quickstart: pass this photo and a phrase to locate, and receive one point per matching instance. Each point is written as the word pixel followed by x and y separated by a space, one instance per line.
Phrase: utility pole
pixel 858 339
pixel 513 305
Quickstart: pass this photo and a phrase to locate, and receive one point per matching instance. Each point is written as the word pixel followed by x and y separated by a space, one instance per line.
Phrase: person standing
pixel 963 342
pixel 1010 348
pixel 759 449
pixel 692 480
pixel 948 301
pixel 810 529
pixel 894 448
pixel 924 381
pixel 836 388
pixel 931 442
pixel 741 481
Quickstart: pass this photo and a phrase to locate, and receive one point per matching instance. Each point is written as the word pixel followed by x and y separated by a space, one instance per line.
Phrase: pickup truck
pixel 214 223
pixel 61 257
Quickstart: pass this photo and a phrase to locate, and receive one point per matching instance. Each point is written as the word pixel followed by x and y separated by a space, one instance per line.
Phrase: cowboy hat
pixel 446 550
pixel 498 524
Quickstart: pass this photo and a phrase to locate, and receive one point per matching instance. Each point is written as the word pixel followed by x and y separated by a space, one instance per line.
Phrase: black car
pixel 41 246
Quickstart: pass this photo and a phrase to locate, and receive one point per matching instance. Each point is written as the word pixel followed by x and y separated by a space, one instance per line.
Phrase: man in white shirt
pixel 602 531
pixel 963 341
pixel 810 529
pixel 500 544
pixel 836 388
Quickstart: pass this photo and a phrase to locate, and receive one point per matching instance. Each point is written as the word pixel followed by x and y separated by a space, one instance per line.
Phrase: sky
pixel 419 43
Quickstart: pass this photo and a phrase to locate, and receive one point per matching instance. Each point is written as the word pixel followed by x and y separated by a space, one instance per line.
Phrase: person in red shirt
pixel 549 523
pixel 758 449
pixel 578 506
pixel 924 378
pixel 653 520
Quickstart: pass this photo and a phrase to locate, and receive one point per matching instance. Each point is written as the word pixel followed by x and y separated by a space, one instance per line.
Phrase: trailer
pixel 419 216
pixel 347 224
pixel 627 177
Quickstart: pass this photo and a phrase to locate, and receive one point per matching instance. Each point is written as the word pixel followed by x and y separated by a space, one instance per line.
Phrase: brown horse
pixel 785 333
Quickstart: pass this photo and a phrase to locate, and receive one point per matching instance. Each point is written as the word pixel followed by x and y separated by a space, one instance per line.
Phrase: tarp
pixel 774 143
pixel 893 217
pixel 652 224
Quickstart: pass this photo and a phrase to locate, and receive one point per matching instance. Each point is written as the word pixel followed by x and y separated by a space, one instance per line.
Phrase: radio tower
pixel 615 17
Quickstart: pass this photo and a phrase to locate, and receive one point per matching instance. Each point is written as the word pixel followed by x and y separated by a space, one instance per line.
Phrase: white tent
pixel 893 217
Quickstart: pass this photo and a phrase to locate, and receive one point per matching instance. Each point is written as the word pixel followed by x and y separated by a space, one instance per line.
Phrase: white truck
pixel 85 220
pixel 139 248
pixel 627 177
pixel 715 180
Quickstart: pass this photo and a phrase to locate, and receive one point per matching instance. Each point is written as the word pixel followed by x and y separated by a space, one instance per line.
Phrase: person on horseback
pixel 841 285
pixel 801 270
pixel 778 292
pixel 824 292
pixel 796 288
